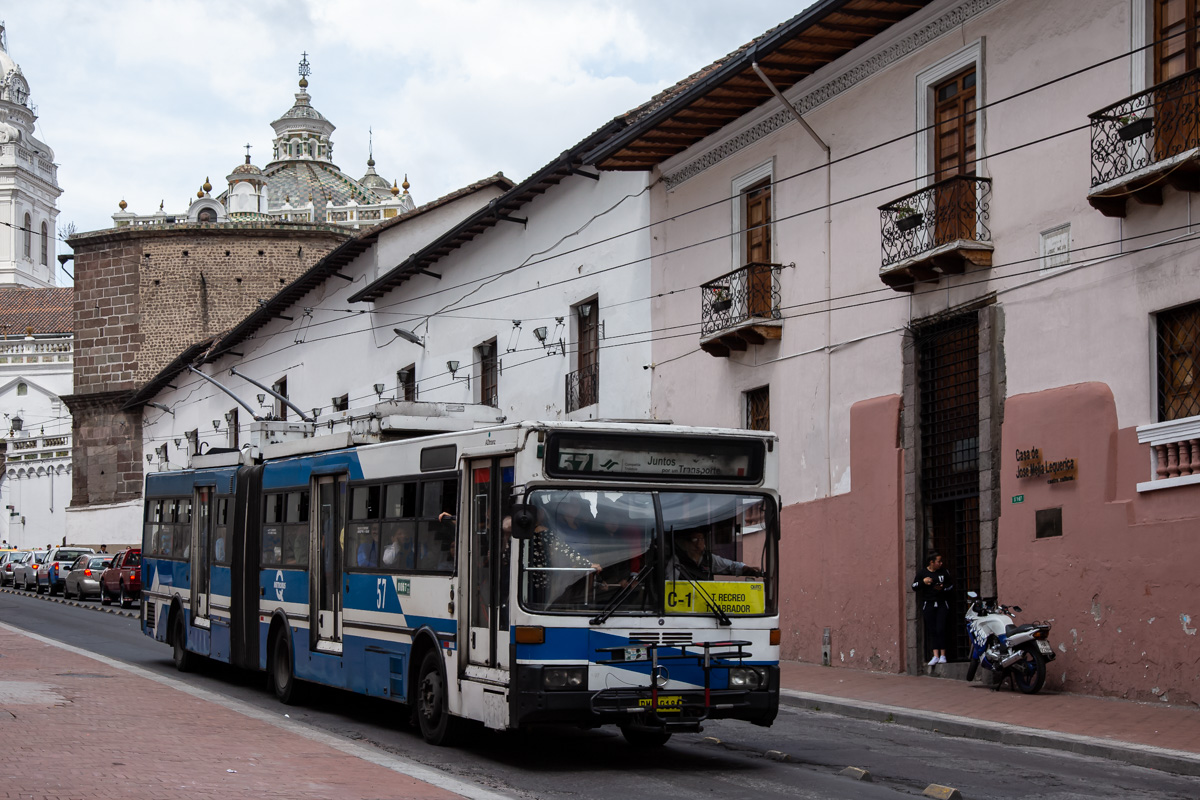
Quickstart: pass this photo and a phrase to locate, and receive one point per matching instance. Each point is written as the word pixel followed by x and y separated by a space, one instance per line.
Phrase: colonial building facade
pixel 946 253
pixel 35 325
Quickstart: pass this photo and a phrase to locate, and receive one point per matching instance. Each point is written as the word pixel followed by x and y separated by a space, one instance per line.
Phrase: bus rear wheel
pixel 643 736
pixel 287 688
pixel 433 711
pixel 185 660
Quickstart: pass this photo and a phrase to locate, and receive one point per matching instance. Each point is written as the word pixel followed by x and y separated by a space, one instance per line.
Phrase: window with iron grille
pixel 406 381
pixel 758 409
pixel 489 386
pixel 1178 357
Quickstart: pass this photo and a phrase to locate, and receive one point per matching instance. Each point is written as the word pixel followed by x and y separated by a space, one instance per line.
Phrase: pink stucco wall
pixel 843 556
pixel 1122 584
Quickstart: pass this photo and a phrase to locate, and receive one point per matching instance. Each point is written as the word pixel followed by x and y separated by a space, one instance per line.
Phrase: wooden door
pixel 757 201
pixel 1175 52
pixel 954 155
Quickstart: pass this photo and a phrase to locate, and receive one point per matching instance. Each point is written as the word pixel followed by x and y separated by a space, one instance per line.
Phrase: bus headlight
pixel 564 678
pixel 746 678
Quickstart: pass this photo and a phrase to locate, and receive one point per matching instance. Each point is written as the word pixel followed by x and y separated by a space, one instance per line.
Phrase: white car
pixel 8 560
pixel 25 571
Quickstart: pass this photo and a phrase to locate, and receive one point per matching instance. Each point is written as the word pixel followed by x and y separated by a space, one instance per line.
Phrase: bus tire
pixel 185 660
pixel 644 736
pixel 283 675
pixel 433 711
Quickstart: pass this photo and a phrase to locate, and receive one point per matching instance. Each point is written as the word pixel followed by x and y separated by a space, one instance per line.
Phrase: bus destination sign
pixel 705 459
pixel 646 462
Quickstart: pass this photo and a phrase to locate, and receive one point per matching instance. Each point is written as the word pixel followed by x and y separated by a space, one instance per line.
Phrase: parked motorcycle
pixel 1019 651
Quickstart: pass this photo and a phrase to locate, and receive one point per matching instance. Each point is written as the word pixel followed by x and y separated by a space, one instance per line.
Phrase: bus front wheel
pixel 433 712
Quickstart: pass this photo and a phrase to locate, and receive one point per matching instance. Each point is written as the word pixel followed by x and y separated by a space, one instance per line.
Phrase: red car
pixel 122 582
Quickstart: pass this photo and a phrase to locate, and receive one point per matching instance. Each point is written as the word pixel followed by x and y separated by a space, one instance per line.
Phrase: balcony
pixel 936 231
pixel 583 387
pixel 1174 453
pixel 740 308
pixel 1144 141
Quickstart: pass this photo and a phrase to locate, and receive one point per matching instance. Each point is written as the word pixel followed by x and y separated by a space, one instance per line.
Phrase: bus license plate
pixel 667 703
pixel 1044 646
pixel 635 654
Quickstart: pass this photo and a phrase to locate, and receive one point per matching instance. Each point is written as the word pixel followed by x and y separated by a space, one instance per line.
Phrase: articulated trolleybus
pixel 531 573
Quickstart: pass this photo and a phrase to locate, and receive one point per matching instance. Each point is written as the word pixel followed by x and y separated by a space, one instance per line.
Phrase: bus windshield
pixel 691 550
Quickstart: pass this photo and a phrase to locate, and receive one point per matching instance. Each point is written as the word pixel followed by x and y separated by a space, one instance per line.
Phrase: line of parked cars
pixel 78 572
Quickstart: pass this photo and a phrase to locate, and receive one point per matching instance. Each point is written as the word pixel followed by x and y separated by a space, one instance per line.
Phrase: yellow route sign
pixel 733 597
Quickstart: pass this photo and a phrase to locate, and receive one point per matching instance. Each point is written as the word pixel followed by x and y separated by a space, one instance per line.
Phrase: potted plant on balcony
pixel 720 298
pixel 907 218
pixel 1132 126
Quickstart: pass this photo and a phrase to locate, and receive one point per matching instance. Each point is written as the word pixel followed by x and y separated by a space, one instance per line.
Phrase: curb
pixel 1141 755
pixel 94 606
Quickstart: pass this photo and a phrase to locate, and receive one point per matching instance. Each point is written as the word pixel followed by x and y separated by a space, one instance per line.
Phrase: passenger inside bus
pixel 399 550
pixel 554 565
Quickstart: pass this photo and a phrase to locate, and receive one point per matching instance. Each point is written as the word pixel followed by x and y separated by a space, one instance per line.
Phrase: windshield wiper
pixel 627 590
pixel 717 611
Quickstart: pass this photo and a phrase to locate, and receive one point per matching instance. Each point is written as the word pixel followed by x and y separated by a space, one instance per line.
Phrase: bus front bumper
pixel 676 709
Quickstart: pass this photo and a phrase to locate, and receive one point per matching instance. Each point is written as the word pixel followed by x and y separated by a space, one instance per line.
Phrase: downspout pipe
pixel 828 260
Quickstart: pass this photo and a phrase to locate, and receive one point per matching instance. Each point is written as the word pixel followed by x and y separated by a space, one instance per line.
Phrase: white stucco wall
pixel 1055 334
pixel 342 348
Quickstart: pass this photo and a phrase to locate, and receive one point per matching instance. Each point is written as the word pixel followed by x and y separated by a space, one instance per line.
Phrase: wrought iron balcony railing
pixel 747 294
pixel 583 387
pixel 1145 133
pixel 953 210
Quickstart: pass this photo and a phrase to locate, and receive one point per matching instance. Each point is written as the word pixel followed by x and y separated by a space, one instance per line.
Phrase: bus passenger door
pixel 325 627
pixel 488 562
pixel 201 530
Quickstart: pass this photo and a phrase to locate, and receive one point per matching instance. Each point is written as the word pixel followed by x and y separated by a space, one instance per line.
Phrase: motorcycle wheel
pixel 972 668
pixel 1030 672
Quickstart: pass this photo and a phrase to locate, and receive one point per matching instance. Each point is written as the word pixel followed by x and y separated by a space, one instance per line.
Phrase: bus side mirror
pixel 523 519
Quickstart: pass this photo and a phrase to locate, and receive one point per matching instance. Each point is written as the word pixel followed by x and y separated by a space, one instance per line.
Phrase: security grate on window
pixel 1178 358
pixel 758 409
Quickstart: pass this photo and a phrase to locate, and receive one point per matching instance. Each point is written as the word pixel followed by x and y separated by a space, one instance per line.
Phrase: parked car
pixel 53 574
pixel 25 571
pixel 8 561
pixel 122 582
pixel 83 580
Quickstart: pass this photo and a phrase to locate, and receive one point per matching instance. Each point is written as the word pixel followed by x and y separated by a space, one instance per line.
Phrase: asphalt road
pixel 801 756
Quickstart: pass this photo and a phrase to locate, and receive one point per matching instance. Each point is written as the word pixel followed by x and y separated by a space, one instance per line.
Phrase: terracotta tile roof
pixel 44 310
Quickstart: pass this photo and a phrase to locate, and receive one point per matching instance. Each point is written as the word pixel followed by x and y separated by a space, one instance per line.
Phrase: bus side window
pixel 435 538
pixel 151 544
pixel 272 548
pixel 295 529
pixel 220 529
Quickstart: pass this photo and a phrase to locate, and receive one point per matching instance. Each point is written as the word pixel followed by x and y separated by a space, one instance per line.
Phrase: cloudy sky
pixel 144 100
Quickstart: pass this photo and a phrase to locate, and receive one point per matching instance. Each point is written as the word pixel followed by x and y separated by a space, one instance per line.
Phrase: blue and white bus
pixel 530 573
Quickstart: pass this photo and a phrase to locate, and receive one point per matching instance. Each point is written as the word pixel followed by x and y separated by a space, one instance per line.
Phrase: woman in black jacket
pixel 932 585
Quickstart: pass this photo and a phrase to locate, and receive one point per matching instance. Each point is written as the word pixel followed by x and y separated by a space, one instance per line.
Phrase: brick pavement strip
pixel 117 732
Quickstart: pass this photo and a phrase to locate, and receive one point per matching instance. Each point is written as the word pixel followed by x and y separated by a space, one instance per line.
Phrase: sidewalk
pixel 116 731
pixel 1157 736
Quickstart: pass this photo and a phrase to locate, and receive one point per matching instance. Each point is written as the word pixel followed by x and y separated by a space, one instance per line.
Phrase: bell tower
pixel 29 186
